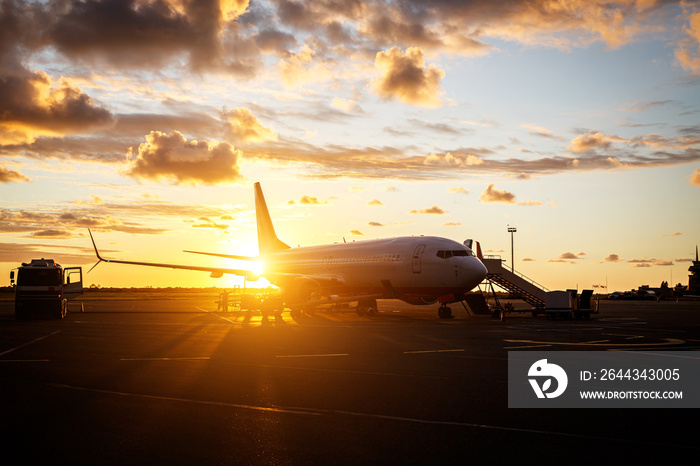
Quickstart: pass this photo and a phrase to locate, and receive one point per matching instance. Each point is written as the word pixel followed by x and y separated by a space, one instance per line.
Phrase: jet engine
pixel 302 290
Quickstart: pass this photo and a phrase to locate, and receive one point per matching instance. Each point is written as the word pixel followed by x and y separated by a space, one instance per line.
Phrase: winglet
pixel 267 238
pixel 99 258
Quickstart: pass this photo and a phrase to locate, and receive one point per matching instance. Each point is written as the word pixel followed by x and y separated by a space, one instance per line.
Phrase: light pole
pixel 512 230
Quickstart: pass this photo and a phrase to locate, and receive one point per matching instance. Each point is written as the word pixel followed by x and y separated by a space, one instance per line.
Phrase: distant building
pixel 694 277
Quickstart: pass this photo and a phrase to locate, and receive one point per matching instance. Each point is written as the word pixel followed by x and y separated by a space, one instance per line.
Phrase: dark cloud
pixel 270 40
pixel 612 258
pixel 434 210
pixel 404 76
pixel 147 34
pixel 30 105
pixel 11 176
pixel 173 157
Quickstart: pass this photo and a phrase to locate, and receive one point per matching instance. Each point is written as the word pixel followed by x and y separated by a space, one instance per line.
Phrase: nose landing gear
pixel 445 312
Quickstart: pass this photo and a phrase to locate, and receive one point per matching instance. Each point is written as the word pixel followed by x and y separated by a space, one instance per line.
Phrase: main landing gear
pixel 366 306
pixel 445 312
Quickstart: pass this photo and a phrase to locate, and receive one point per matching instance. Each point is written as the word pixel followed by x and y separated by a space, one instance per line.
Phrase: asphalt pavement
pixel 176 382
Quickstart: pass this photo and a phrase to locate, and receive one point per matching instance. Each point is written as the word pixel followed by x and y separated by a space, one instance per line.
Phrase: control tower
pixel 694 277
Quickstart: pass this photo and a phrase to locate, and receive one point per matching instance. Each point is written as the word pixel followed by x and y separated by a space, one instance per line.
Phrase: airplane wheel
pixel 371 311
pixel 445 312
pixel 360 311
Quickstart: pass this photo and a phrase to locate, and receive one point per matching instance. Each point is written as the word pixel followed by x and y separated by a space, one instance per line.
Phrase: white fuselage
pixel 417 269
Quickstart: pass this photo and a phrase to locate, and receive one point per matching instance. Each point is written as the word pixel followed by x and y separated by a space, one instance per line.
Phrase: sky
pixel 576 122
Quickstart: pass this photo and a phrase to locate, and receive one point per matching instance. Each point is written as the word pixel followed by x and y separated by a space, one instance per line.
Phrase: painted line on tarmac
pixel 28 343
pixel 304 411
pixel 321 412
pixel 668 342
pixel 193 358
pixel 312 355
pixel 216 315
pixel 529 346
pixel 25 360
pixel 435 351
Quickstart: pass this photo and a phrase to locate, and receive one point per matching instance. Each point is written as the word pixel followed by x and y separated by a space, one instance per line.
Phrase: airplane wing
pixel 214 271
pixel 227 256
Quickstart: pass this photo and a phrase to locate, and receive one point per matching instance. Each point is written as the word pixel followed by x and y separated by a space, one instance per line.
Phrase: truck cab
pixel 43 288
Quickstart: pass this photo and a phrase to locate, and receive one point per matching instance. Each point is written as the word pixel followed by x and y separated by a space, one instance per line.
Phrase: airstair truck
pixel 44 287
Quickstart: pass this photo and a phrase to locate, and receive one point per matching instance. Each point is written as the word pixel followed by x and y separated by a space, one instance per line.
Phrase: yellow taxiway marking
pixel 28 343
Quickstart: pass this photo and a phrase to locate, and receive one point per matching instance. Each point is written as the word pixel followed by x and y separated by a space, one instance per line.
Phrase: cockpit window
pixel 443 254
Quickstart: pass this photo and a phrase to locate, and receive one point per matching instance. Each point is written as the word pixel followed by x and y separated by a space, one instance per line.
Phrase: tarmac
pixel 176 382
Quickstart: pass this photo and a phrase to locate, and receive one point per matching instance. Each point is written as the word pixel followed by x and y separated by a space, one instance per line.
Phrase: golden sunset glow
pixel 149 122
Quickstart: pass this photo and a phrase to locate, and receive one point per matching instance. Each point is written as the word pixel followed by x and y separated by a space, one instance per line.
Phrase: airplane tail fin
pixel 267 238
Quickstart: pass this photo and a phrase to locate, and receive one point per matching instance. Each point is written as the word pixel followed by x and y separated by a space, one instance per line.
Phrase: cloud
pixel 375 224
pixel 300 68
pixel 695 178
pixel 308 200
pixel 568 255
pixel 404 76
pixel 357 233
pixel 57 234
pixel 491 194
pixel 346 105
pixel 11 176
pixel 644 262
pixel 452 224
pixel 663 263
pixel 208 223
pixel 134 217
pixel 148 34
pixel 688 50
pixel 671 234
pixel 32 106
pixel 540 131
pixel 375 202
pixel 434 210
pixel 589 141
pixel 459 190
pixel 528 259
pixel 467 160
pixel 612 258
pixel 244 127
pixel 530 203
pixel 192 162
pixel 641 261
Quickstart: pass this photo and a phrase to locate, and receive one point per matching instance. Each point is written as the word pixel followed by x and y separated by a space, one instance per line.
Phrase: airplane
pixel 418 270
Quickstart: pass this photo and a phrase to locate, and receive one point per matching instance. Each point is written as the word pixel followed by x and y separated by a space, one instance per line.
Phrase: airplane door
pixel 417 256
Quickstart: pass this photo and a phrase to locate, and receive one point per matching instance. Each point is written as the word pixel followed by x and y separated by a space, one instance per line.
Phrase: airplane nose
pixel 474 271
